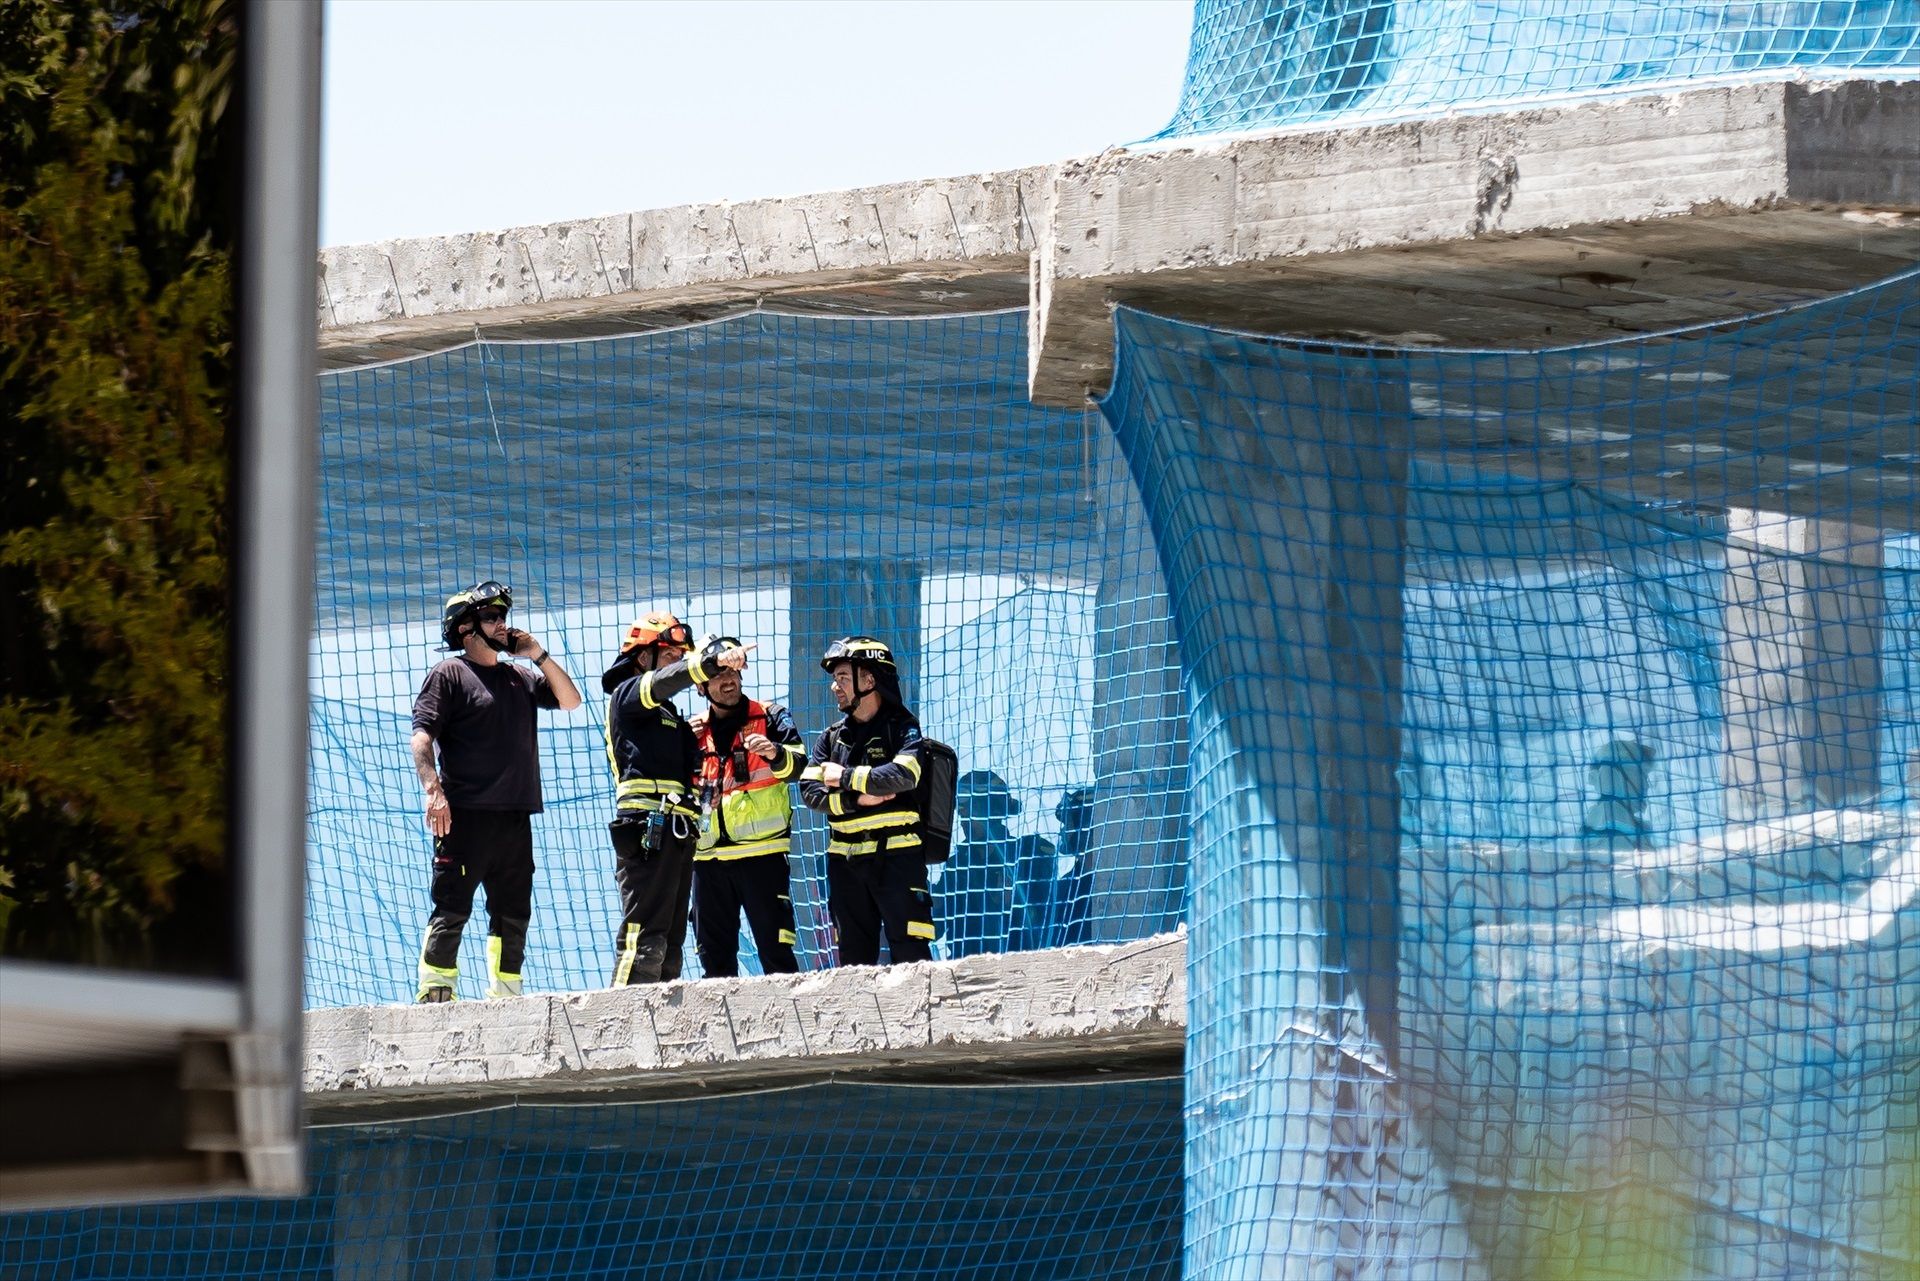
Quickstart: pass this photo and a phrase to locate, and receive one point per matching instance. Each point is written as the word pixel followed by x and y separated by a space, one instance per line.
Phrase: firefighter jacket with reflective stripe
pixel 750 815
pixel 650 745
pixel 881 758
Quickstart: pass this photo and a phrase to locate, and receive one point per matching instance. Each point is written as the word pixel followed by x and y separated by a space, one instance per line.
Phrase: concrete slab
pixel 1082 1011
pixel 1412 234
pixel 937 245
pixel 1525 229
pixel 1520 230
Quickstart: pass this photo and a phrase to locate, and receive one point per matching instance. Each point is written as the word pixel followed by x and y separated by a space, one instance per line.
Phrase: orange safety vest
pixel 744 817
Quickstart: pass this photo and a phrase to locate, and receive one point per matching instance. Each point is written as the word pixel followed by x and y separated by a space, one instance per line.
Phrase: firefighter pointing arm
pixel 655 760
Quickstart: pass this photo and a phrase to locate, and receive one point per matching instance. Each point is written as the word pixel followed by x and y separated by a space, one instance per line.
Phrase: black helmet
pixel 461 605
pixel 863 651
pixel 711 647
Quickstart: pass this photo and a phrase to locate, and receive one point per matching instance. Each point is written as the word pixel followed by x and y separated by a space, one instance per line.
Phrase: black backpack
pixel 939 773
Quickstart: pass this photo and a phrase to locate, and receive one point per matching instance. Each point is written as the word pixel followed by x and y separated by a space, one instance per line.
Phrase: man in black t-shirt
pixel 481 798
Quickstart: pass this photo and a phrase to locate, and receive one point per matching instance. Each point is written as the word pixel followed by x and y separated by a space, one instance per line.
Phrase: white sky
pixel 474 115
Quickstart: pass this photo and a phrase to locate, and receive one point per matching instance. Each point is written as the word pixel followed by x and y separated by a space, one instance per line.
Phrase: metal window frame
pixel 138 1087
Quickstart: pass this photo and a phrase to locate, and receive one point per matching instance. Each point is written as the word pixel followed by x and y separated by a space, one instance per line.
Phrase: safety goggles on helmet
pixel 858 649
pixel 464 605
pixel 711 647
pixel 658 628
pixel 491 593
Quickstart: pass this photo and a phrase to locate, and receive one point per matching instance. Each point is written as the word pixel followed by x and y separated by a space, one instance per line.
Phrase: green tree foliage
pixel 116 217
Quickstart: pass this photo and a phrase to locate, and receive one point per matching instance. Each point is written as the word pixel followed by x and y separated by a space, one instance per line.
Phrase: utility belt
pixel 649 805
pixel 660 820
pixel 650 794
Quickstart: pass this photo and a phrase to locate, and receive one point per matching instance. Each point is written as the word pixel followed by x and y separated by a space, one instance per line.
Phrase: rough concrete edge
pixel 1295 194
pixel 924 1014
pixel 619 258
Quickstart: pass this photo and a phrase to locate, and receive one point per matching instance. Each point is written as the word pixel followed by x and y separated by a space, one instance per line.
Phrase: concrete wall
pixel 983 1015
pixel 678 257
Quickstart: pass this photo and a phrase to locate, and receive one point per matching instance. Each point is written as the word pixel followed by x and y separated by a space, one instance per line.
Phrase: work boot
pixel 436 983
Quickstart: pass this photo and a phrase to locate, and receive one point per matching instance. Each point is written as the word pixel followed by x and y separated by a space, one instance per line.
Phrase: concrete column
pixel 1804 612
pixel 372 1189
pixel 453 1211
pixel 827 600
pixel 1138 847
pixel 1274 483
pixel 415 1207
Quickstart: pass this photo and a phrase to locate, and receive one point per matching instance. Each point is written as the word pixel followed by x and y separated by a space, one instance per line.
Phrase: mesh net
pixel 1554 766
pixel 836 1180
pixel 1556 795
pixel 1258 64
pixel 782 479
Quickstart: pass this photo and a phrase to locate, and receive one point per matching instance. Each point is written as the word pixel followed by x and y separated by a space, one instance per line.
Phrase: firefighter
pixel 484 789
pixel 656 809
pixel 749 753
pixel 861 774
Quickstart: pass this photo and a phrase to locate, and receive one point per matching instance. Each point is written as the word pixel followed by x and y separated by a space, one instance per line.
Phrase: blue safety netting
pixel 1539 733
pixel 1555 749
pixel 1258 64
pixel 859 1181
pixel 1554 833
pixel 783 479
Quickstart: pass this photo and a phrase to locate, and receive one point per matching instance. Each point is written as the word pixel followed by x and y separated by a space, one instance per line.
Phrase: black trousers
pixel 869 893
pixel 722 889
pixel 654 892
pixel 490 850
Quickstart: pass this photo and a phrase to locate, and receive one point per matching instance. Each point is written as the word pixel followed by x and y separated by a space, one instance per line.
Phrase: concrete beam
pixel 1525 228
pixel 1187 230
pixel 641 270
pixel 1034 1012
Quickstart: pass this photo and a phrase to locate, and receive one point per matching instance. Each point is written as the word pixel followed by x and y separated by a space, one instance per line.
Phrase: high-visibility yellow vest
pixel 745 817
